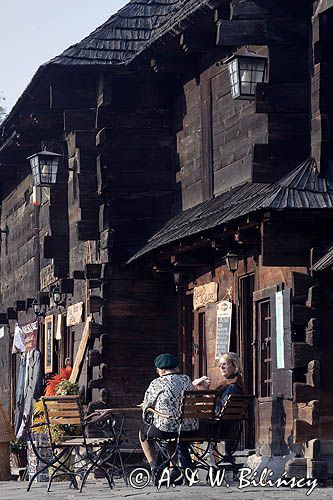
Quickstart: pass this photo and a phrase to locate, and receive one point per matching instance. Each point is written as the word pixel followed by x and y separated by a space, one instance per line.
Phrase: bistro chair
pixel 73 453
pixel 226 426
pixel 195 404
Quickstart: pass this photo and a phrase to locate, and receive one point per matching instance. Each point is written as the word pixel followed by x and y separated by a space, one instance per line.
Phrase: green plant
pixel 17 445
pixel 67 388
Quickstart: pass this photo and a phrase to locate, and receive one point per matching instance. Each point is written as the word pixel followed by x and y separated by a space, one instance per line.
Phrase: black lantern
pixel 56 295
pixel 177 279
pixel 36 307
pixel 231 260
pixel 245 72
pixel 44 166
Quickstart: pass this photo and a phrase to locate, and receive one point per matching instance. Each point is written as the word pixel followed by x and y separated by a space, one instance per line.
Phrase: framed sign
pixel 74 314
pixel 279 330
pixel 223 327
pixel 48 344
pixel 204 294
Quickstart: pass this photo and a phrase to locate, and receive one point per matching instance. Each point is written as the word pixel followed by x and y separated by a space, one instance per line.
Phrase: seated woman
pixel 231 382
pixel 231 378
pixel 164 394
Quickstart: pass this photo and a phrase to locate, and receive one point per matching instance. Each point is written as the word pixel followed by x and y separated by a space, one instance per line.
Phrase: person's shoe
pixel 176 476
pixel 156 473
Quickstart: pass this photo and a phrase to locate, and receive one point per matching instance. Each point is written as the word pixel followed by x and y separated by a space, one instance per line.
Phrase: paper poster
pixel 223 327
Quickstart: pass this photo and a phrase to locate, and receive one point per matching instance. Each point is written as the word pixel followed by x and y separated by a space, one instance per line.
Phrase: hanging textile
pixel 33 385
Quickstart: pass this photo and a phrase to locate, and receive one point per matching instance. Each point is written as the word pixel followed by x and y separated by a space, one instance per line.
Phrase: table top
pixel 134 409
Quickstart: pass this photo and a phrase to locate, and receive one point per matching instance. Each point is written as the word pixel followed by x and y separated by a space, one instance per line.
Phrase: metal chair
pixel 64 417
pixel 195 404
pixel 224 427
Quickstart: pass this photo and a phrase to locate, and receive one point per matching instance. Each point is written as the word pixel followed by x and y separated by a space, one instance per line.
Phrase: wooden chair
pixel 230 425
pixel 195 404
pixel 64 416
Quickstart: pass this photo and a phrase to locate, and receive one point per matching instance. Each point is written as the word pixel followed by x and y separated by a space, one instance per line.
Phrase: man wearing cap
pixel 164 395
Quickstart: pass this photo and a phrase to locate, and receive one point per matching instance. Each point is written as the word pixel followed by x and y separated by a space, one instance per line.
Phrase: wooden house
pixel 166 174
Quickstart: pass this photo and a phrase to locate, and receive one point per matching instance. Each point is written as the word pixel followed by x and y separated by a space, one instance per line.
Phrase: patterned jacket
pixel 164 394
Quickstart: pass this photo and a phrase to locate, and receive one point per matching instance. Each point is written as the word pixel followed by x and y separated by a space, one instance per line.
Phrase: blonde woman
pixel 231 378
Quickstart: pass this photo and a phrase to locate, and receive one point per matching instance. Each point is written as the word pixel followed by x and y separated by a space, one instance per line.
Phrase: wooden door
pixel 246 348
pixel 199 353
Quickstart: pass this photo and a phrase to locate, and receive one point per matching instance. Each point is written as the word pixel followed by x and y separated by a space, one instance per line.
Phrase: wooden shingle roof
pixel 303 188
pixel 122 35
pixel 117 41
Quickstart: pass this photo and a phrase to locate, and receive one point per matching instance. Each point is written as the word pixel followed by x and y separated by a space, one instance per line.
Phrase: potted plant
pixel 18 453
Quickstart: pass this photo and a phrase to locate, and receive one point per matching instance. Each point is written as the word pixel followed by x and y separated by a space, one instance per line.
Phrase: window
pixel 264 336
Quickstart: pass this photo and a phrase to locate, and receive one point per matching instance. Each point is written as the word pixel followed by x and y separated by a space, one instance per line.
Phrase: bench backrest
pixel 199 404
pixel 232 415
pixel 235 407
pixel 64 411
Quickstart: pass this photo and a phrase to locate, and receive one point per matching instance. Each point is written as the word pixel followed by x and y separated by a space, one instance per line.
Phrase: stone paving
pixel 98 489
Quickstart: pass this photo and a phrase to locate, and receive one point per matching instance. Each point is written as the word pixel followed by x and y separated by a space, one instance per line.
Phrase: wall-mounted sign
pixel 48 343
pixel 279 330
pixel 204 294
pixel 223 327
pixel 74 314
pixel 25 336
pixel 47 276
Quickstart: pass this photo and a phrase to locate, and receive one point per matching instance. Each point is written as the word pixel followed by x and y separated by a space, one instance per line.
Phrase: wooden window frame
pixel 259 296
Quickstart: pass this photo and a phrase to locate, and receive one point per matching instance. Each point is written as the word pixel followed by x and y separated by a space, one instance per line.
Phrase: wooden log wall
pixel 135 178
pixel 188 130
pixel 281 104
pixel 322 374
pixel 321 93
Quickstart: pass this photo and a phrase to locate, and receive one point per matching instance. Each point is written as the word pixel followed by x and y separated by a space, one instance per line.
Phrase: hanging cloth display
pixel 33 385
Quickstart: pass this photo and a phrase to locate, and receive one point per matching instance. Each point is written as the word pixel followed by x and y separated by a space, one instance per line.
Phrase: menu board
pixel 223 327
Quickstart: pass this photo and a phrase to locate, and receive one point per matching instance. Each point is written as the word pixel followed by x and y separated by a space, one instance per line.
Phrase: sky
pixel 34 31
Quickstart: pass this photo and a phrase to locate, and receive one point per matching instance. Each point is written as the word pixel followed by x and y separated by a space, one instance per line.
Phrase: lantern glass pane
pixel 34 163
pixel 234 77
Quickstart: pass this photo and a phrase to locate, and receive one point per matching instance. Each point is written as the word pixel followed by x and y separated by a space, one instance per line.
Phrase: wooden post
pixel 6 435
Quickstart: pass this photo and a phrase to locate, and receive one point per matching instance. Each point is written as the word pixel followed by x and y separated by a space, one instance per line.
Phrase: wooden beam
pixel 80 352
pixel 281 98
pixel 186 261
pixel 302 354
pixel 193 45
pixel 312 332
pixel 79 119
pixel 104 90
pixel 313 373
pixel 309 412
pixel 170 67
pixel 303 393
pixel 260 32
pixel 303 431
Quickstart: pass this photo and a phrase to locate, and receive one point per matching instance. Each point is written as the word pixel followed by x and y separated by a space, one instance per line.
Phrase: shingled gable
pixel 303 188
pixel 113 43
pixel 122 35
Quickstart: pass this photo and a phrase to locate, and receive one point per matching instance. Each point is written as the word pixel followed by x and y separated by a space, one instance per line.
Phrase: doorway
pixel 246 349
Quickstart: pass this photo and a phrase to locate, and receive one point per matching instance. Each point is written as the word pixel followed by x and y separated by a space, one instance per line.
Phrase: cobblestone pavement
pixel 98 489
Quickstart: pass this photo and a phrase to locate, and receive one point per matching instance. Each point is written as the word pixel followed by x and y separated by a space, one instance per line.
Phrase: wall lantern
pixel 177 279
pixel 245 72
pixel 232 259
pixel 36 308
pixel 56 295
pixel 44 166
